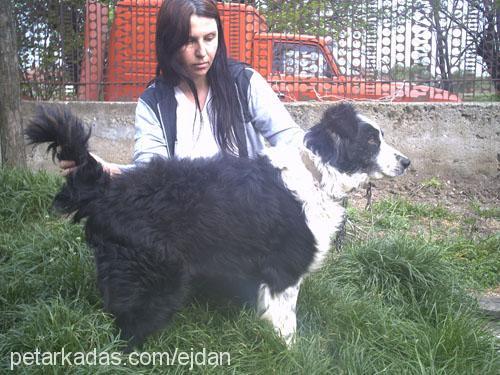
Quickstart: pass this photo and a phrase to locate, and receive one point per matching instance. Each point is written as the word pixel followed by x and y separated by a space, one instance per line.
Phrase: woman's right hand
pixel 68 166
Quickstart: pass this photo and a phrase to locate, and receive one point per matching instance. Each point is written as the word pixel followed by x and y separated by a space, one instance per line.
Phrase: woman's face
pixel 198 54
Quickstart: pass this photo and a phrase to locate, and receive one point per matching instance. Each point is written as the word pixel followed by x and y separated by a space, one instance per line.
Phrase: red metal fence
pixel 389 50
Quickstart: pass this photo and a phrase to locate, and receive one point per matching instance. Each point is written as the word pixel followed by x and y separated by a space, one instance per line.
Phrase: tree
pixel 313 17
pixel 487 40
pixel 416 72
pixel 11 130
pixel 483 37
pixel 50 45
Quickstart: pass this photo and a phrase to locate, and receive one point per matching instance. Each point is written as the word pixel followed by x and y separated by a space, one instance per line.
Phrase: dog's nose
pixel 405 162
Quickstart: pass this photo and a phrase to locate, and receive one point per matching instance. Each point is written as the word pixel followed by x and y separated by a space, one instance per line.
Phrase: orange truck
pixel 120 61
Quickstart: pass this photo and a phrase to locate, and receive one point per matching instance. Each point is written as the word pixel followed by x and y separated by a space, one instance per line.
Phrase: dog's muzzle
pixel 403 162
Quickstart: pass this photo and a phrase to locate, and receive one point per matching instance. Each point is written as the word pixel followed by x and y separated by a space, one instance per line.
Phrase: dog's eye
pixel 372 141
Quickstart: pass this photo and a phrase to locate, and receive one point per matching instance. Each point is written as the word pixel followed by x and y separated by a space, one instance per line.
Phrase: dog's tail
pixel 68 140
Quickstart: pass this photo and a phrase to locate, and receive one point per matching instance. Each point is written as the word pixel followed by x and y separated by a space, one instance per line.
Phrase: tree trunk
pixel 489 45
pixel 442 58
pixel 12 149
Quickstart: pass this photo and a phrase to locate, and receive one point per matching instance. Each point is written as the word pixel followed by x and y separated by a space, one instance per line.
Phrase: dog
pixel 163 228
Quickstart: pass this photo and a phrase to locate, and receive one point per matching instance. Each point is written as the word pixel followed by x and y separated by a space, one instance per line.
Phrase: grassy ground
pixel 395 300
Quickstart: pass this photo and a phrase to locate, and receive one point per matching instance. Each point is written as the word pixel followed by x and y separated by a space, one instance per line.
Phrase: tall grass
pixel 457 237
pixel 387 304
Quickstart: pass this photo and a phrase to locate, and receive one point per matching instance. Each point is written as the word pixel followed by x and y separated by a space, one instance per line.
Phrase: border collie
pixel 163 228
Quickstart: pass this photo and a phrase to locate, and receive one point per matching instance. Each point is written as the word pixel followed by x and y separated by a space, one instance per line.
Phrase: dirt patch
pixel 475 202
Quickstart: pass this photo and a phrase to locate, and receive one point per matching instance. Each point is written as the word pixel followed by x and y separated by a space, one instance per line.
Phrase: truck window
pixel 301 60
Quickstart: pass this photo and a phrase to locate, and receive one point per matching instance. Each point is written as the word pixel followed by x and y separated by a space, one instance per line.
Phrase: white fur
pixel 338 184
pixel 279 310
pixel 388 159
pixel 324 215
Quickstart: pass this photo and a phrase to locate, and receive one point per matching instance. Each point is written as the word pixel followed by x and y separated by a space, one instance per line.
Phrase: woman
pixel 200 103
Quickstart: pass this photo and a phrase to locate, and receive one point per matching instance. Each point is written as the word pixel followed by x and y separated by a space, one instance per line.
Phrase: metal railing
pixel 412 50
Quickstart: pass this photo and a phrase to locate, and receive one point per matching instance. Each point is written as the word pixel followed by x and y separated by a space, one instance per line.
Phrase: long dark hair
pixel 172 32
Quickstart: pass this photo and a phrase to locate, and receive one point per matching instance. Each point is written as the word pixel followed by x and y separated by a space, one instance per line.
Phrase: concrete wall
pixel 451 141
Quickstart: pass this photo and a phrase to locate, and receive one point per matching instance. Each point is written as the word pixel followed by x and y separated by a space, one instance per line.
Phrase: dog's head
pixel 354 146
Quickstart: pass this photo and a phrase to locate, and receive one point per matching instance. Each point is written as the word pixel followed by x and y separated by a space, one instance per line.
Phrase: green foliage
pixel 50 45
pixel 416 72
pixel 312 17
pixel 395 304
pixel 484 98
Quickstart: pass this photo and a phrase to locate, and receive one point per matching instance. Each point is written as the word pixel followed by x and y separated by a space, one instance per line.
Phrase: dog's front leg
pixel 280 310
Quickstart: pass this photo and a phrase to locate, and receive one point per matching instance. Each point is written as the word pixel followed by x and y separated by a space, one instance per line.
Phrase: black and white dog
pixel 162 228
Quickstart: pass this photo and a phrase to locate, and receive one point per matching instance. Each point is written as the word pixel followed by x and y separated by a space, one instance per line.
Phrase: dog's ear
pixel 341 119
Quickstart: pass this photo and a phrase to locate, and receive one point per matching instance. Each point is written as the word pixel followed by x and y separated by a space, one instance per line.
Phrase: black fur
pixel 159 228
pixel 345 142
pixel 60 129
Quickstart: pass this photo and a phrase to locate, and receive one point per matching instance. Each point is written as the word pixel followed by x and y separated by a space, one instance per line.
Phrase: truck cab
pixel 120 61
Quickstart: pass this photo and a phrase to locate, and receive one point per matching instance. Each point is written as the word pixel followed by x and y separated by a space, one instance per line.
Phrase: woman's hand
pixel 110 168
pixel 68 166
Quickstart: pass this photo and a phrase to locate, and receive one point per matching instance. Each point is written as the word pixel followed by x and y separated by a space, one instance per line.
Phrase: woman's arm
pixel 149 137
pixel 269 115
pixel 149 141
pixel 68 166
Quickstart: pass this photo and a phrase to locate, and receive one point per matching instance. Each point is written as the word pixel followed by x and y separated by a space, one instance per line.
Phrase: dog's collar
pixel 305 155
pixel 334 191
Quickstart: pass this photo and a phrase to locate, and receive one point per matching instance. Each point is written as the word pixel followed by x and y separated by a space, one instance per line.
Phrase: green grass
pixel 479 260
pixel 393 301
pixel 399 214
pixel 476 255
pixel 489 213
pixel 433 182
